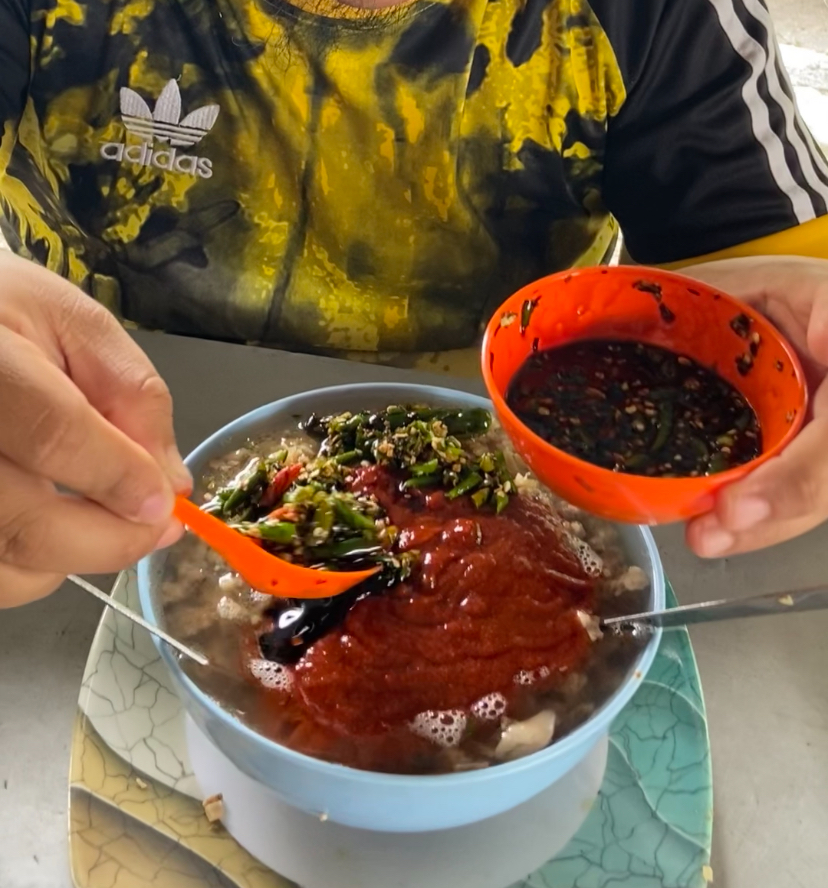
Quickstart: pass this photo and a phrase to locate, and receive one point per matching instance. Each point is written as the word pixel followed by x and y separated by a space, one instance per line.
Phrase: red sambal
pixel 490 607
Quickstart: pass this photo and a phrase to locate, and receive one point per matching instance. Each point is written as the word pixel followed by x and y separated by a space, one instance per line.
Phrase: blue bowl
pixel 364 799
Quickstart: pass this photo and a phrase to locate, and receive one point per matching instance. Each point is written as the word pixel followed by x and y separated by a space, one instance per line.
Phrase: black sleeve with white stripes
pixel 708 150
pixel 14 60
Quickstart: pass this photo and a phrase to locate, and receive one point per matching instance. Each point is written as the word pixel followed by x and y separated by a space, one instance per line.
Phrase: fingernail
pixel 171 535
pixel 154 509
pixel 716 542
pixel 180 477
pixel 748 512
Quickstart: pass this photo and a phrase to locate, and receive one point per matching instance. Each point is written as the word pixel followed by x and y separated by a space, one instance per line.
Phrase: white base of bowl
pixel 493 853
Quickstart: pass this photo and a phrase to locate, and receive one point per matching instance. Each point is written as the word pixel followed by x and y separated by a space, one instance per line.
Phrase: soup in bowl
pixel 468 675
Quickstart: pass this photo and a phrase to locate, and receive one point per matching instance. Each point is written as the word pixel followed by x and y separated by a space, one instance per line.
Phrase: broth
pixel 476 644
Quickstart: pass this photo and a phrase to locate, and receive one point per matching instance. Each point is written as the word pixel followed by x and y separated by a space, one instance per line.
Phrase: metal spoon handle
pixel 140 621
pixel 815 598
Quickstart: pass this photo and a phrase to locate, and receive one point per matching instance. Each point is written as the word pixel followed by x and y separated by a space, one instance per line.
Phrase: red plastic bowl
pixel 683 315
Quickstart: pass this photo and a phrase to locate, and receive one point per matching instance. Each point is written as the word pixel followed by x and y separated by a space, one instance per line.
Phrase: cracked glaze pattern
pixel 127 696
pixel 136 821
pixel 130 834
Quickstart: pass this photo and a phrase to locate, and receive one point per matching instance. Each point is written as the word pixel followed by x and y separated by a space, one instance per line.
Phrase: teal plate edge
pixel 651 825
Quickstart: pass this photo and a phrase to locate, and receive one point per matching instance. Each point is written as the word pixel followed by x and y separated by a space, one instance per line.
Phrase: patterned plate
pixel 136 819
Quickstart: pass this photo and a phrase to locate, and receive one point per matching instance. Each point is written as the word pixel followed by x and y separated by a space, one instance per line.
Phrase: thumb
pixel 817 337
pixel 750 277
pixel 791 290
pixel 103 361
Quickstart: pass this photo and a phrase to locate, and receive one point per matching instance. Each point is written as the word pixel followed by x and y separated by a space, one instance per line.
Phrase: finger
pixel 41 529
pixel 57 434
pixel 120 381
pixel 785 496
pixel 818 326
pixel 85 341
pixel 789 486
pixel 19 586
pixel 752 276
pixel 708 539
pixel 791 290
pixel 145 414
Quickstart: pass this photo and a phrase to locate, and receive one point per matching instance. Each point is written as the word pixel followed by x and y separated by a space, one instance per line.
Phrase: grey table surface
pixel 765 681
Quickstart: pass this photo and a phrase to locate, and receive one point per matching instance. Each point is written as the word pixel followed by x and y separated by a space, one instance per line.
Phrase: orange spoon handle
pixel 263 571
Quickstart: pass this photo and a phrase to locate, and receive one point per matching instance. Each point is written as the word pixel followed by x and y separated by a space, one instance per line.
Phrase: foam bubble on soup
pixel 489 708
pixel 274 676
pixel 258 599
pixel 443 728
pixel 591 561
pixel 529 677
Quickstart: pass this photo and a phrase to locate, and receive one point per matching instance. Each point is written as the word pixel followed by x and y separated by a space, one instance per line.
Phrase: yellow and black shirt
pixel 314 175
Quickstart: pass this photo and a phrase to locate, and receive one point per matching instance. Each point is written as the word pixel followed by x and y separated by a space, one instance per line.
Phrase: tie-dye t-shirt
pixel 314 175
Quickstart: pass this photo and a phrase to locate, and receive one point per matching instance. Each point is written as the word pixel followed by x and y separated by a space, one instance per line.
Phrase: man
pixel 369 181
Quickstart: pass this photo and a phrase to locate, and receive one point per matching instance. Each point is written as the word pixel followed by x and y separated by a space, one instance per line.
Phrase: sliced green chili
pixel 352 517
pixel 323 515
pixel 665 425
pixel 422 481
pixel 465 485
pixel 348 457
pixel 480 497
pixel 718 463
pixel 426 468
pixel 281 532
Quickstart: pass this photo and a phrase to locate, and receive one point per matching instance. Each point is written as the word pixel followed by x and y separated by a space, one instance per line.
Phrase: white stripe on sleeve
pixel 757 58
pixel 807 158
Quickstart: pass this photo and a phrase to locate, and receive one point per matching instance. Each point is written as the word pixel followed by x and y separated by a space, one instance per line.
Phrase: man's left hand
pixel 788 495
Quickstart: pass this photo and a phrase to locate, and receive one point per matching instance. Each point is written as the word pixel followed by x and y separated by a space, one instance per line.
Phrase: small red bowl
pixel 658 308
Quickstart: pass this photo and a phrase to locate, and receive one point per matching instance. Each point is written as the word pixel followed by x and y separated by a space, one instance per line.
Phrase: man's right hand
pixel 83 409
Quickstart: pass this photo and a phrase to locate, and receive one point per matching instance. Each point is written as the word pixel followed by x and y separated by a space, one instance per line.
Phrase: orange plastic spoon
pixel 263 571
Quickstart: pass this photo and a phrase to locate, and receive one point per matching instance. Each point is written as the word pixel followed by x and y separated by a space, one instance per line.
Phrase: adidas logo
pixel 164 125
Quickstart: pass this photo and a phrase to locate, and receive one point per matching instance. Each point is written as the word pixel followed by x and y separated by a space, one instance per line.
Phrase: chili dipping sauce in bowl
pixel 635 393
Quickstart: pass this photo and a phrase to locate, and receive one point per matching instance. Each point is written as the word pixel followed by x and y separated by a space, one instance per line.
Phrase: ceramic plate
pixel 136 819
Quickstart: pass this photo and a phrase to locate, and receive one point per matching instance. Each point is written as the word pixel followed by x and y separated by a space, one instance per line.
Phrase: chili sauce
pixel 635 408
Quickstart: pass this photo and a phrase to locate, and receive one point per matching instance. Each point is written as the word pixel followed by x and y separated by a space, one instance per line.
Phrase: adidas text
pixel 146 155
